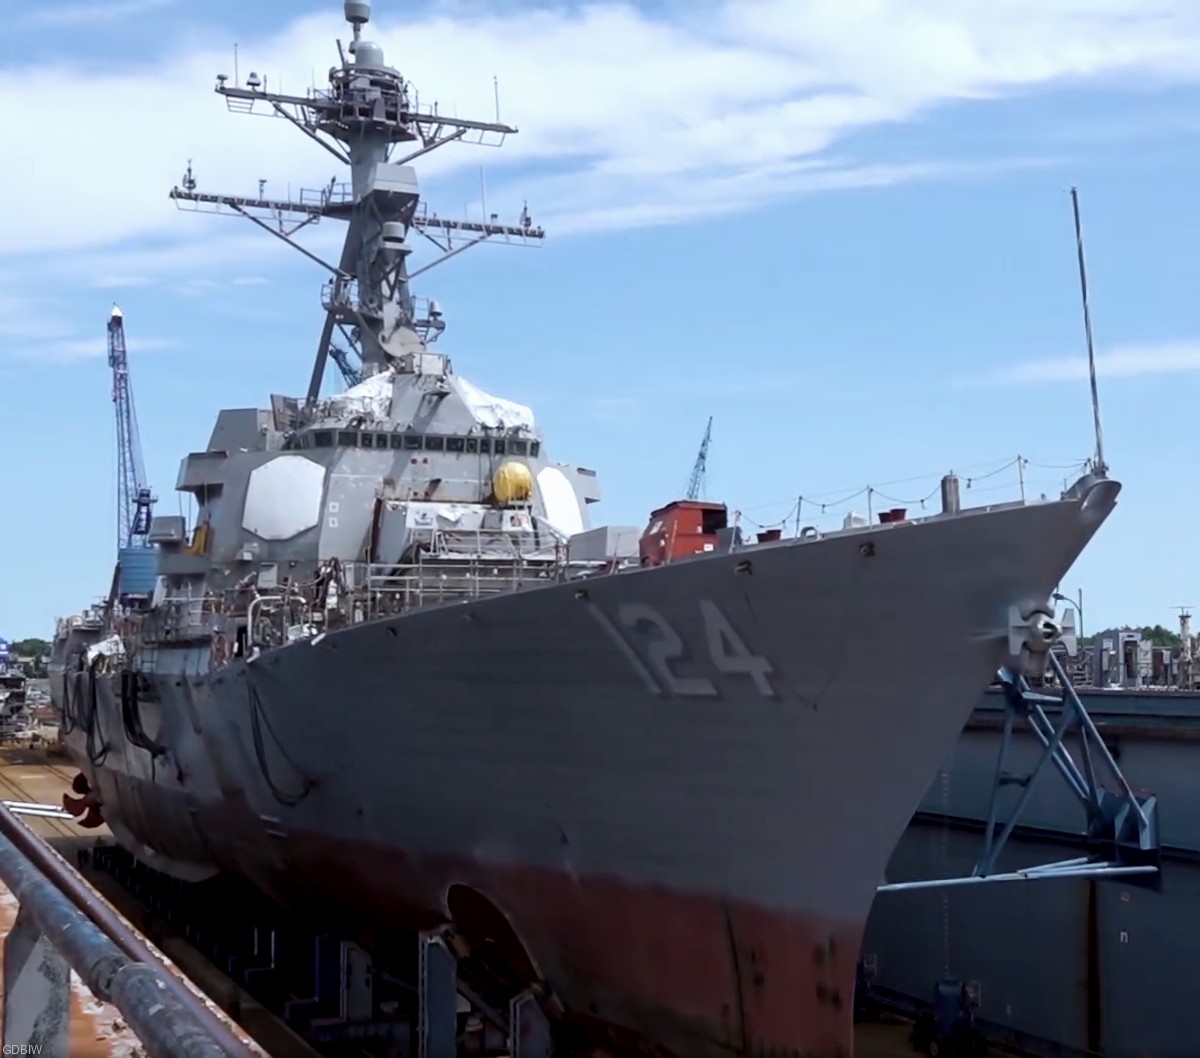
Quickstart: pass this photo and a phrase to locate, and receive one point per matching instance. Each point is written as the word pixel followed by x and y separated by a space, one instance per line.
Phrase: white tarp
pixel 493 411
pixel 429 515
pixel 372 396
pixel 110 647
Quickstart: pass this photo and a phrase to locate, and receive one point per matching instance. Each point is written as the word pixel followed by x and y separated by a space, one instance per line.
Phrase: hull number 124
pixel 656 651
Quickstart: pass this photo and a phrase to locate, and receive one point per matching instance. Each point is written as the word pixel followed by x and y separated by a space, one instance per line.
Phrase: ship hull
pixel 679 786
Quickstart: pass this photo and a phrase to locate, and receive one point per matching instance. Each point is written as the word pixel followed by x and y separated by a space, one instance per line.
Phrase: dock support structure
pixel 1121 826
pixel 438 991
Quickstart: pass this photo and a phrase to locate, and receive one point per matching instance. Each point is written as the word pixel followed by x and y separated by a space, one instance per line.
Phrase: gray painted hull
pixel 690 855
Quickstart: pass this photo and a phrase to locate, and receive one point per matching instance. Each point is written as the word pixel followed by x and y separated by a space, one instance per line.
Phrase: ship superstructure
pixel 391 677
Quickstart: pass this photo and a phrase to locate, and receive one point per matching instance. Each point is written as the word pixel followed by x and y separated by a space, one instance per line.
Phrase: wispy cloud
pixel 31 331
pixel 119 282
pixel 91 14
pixel 1126 361
pixel 200 287
pixel 742 106
pixel 68 350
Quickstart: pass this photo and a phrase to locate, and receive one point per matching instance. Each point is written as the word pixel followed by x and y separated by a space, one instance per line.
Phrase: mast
pixel 367 116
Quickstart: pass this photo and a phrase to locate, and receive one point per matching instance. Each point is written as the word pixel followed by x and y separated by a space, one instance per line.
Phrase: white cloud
pixel 120 282
pixel 1126 361
pixel 635 112
pixel 30 331
pixel 90 14
pixel 48 350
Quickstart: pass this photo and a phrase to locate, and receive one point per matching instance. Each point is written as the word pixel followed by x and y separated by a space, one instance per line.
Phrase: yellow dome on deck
pixel 512 483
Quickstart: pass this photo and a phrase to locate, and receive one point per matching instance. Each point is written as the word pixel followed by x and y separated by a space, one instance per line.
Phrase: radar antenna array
pixel 371 119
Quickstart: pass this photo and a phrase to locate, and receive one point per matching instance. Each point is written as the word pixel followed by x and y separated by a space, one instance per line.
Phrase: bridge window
pixel 368 440
pixel 485 445
pixel 535 447
pixel 498 447
pixel 322 439
pixel 412 442
pixel 396 440
pixel 472 444
pixel 518 448
pixel 435 444
pixel 456 444
pixel 347 439
pixel 381 440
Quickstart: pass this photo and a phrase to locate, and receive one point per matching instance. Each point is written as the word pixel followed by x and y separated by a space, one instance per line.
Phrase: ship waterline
pixel 680 785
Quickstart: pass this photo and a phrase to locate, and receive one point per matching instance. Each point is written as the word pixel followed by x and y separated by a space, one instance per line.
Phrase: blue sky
pixel 841 228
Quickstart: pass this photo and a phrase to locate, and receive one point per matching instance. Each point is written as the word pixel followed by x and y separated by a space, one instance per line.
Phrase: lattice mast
pixel 366 115
pixel 135 503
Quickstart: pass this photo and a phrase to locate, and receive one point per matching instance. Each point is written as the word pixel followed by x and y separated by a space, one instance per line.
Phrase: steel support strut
pixel 438 992
pixel 1122 828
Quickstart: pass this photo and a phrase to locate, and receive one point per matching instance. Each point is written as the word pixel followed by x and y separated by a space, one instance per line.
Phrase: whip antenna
pixel 1101 468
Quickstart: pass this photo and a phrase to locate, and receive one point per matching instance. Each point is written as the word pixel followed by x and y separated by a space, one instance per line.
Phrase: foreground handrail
pixel 56 927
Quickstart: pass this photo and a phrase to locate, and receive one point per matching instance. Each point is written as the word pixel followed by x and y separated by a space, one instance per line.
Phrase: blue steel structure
pixel 1098 962
pixel 1121 837
pixel 696 482
pixel 136 557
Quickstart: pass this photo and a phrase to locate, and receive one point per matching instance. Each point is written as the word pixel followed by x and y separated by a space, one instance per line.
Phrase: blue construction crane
pixel 134 499
pixel 350 373
pixel 696 485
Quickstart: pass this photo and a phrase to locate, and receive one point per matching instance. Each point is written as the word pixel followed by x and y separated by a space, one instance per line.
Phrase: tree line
pixel 1156 635
pixel 30 648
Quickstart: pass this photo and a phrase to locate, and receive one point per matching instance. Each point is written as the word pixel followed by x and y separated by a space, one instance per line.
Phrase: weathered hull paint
pixel 686 842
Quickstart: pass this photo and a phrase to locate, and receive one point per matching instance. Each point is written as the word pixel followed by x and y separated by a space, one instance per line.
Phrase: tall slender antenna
pixel 1101 467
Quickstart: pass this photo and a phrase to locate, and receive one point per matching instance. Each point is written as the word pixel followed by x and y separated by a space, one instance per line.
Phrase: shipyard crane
pixel 350 374
pixel 696 485
pixel 134 499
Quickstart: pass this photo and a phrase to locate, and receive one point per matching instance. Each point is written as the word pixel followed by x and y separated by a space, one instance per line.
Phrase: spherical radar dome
pixel 512 483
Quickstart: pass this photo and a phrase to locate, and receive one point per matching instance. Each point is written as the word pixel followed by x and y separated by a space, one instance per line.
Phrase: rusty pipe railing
pixel 61 916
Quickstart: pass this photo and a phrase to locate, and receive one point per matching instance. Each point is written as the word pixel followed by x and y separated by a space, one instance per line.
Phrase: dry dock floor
pixel 883 1040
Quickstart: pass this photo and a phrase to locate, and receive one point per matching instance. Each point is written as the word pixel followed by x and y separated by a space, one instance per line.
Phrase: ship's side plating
pixel 673 781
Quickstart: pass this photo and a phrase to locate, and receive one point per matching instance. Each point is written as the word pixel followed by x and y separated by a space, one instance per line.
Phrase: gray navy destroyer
pixel 392 672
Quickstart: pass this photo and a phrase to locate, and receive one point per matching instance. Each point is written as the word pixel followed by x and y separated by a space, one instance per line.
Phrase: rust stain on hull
pixel 699 973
